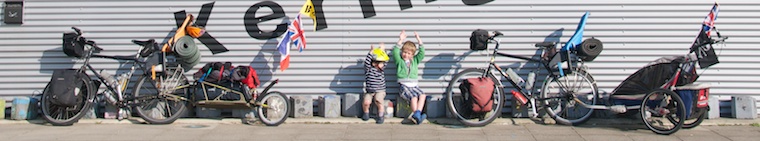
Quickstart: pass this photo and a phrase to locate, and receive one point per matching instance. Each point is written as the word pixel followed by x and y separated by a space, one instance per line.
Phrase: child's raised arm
pixel 401 38
pixel 421 49
pixel 419 41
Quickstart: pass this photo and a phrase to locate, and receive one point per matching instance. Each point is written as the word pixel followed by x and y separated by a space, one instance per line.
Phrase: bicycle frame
pixel 118 92
pixel 521 89
pixel 137 61
pixel 527 92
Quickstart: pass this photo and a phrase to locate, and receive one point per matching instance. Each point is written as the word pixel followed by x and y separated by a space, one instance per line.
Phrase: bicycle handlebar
pixel 88 42
pixel 77 30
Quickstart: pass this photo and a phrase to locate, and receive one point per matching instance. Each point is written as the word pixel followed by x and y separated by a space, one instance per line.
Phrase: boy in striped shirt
pixel 375 82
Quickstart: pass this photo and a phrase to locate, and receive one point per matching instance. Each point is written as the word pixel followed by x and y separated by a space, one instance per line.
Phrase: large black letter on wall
pixel 405 4
pixel 213 45
pixel 320 14
pixel 368 9
pixel 475 2
pixel 251 21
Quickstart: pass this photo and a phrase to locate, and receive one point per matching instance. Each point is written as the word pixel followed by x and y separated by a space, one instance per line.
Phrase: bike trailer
pixel 695 96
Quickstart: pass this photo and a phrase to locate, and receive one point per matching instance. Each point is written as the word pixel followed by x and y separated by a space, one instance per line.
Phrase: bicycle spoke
pixel 59 113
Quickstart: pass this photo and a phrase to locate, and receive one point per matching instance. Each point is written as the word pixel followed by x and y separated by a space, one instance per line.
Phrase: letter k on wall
pixel 202 19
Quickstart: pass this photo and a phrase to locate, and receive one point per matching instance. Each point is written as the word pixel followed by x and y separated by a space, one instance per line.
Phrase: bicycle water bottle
pixel 514 77
pixel 107 78
pixel 531 80
pixel 110 81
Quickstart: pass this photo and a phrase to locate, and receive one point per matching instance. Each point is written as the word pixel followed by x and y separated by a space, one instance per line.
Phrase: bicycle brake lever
pixel 497 33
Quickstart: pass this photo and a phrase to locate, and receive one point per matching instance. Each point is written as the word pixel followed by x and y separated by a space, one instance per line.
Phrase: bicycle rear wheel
pixel 59 115
pixel 559 95
pixel 158 104
pixel 274 108
pixel 455 100
pixel 701 114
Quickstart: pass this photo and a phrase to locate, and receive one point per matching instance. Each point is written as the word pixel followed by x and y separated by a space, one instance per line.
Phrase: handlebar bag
pixel 479 39
pixel 73 45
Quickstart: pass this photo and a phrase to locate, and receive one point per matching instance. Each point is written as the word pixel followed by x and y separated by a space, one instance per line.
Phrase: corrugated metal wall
pixel 633 32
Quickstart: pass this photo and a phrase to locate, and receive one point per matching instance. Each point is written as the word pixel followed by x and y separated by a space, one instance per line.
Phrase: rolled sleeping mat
pixel 188 64
pixel 187 52
pixel 590 49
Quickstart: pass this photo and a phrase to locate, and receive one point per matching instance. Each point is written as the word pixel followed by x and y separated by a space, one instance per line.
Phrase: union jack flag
pixel 284 48
pixel 709 23
pixel 298 38
pixel 704 51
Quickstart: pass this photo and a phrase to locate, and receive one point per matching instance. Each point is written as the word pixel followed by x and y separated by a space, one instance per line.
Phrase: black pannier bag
pixel 64 86
pixel 73 45
pixel 479 40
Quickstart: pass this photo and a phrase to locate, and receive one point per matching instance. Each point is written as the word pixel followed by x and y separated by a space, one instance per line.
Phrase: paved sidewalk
pixel 440 121
pixel 228 129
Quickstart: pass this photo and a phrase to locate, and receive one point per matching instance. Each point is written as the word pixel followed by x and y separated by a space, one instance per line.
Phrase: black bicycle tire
pixel 87 104
pixel 563 121
pixel 260 113
pixel 461 118
pixel 702 114
pixel 679 105
pixel 144 114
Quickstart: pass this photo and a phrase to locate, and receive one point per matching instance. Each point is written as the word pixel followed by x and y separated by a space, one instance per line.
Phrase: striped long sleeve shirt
pixel 374 77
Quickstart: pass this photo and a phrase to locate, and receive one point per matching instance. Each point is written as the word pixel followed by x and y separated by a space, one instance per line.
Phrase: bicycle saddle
pixel 545 44
pixel 149 47
pixel 144 43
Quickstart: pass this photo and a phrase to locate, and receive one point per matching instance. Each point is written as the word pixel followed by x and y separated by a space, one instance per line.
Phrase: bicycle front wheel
pixel 273 109
pixel 59 115
pixel 561 94
pixel 161 101
pixel 456 101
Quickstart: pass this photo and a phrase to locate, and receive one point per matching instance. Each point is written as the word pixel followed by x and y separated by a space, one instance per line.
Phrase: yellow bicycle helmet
pixel 379 55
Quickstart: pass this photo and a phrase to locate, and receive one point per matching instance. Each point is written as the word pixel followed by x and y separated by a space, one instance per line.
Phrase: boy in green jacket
pixel 406 67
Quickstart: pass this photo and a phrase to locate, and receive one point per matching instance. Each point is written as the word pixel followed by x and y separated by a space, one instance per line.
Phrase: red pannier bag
pixel 480 91
pixel 246 75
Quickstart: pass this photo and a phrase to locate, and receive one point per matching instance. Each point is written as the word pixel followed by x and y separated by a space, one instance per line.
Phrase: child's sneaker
pixel 416 117
pixel 365 116
pixel 413 118
pixel 380 120
pixel 421 118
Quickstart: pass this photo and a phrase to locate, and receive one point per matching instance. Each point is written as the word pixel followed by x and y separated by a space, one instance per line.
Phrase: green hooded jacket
pixel 402 71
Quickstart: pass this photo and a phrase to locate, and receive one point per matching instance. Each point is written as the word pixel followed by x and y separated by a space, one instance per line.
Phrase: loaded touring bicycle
pixel 160 94
pixel 663 92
